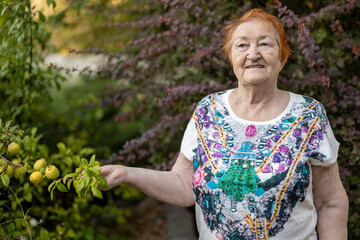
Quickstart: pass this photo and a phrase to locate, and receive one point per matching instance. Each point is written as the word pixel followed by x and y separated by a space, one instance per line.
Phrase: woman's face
pixel 255 53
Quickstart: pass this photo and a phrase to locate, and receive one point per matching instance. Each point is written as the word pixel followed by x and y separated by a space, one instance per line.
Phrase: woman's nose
pixel 253 53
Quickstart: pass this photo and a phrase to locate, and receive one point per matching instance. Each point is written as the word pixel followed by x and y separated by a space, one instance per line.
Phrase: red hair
pixel 264 17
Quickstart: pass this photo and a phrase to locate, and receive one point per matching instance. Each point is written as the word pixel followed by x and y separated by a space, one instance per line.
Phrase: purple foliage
pixel 175 58
pixel 305 42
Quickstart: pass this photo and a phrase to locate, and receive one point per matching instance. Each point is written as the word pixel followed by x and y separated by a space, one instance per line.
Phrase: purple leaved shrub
pixel 175 58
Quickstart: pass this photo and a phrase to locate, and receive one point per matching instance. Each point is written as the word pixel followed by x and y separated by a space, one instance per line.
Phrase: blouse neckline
pixel 279 117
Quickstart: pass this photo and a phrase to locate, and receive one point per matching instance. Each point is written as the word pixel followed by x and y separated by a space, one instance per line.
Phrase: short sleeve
pixel 189 141
pixel 326 151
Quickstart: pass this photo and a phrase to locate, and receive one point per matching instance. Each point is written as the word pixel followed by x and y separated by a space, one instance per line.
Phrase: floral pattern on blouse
pixel 248 177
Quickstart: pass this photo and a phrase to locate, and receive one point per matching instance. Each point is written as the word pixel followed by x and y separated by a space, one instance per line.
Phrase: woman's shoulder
pixel 213 102
pixel 307 102
pixel 216 96
pixel 304 98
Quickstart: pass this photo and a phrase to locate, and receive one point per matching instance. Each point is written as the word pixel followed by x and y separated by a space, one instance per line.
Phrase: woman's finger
pixel 219 236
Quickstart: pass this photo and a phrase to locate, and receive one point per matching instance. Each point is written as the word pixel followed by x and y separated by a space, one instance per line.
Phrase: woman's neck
pixel 258 103
pixel 250 95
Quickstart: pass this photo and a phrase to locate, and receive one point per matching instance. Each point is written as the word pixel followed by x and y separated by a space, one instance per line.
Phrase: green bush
pixel 46 208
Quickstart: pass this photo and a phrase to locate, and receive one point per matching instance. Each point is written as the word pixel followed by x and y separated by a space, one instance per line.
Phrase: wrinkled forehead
pixel 263 25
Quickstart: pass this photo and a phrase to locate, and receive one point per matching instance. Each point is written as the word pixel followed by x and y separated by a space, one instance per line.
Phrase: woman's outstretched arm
pixel 174 187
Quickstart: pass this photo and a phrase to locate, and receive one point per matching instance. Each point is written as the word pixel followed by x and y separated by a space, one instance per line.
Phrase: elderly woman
pixel 258 162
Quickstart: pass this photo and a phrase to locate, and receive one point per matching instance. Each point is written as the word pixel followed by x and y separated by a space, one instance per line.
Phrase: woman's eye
pixel 242 45
pixel 264 44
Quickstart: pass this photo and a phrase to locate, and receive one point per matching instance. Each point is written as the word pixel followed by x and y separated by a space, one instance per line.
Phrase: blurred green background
pixel 128 93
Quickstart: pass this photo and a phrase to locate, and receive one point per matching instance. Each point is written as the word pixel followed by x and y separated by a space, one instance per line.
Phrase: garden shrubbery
pixel 47 188
pixel 163 58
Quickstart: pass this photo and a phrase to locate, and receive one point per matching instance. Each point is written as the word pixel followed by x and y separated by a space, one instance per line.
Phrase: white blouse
pixel 252 180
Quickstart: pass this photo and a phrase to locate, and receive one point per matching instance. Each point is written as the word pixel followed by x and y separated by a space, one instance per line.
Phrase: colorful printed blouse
pixel 252 180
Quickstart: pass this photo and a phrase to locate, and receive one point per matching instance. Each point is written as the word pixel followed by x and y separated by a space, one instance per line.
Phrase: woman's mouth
pixel 255 66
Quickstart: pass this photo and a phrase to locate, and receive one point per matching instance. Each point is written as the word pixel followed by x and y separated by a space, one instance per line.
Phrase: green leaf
pixel 92 161
pixel 82 186
pixel 27 166
pixel 86 151
pixel 70 175
pixel 15 234
pixel 51 185
pixel 96 192
pixel 34 130
pixel 96 169
pixel 61 187
pixel 26 142
pixel 84 161
pixel 49 2
pixel 68 161
pixel 7 124
pixel 13 128
pixel 87 182
pixel 52 194
pixel 69 183
pixel 43 151
pixel 52 188
pixel 103 183
pixel 3 202
pixel 26 159
pixel 89 172
pixel 76 160
pixel 62 148
pixel 5 180
pixel 13 205
pixel 82 183
pixel 26 187
pixel 36 139
pixel 3 11
pixel 44 235
pixel 11 227
pixel 42 17
pixel 28 197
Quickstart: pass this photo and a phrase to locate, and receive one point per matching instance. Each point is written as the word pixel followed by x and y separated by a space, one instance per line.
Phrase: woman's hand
pixel 114 175
pixel 219 236
pixel 174 187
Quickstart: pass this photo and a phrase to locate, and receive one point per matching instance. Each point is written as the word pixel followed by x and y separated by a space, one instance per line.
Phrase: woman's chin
pixel 254 81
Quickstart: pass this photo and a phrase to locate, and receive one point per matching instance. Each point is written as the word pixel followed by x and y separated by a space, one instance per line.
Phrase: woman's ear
pixel 283 63
pixel 229 58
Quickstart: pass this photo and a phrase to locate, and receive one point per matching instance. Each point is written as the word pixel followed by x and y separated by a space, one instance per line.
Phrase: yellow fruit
pixel 51 172
pixel 41 163
pixel 16 161
pixel 36 177
pixel 18 171
pixel 13 148
pixel 10 171
pixel 2 162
